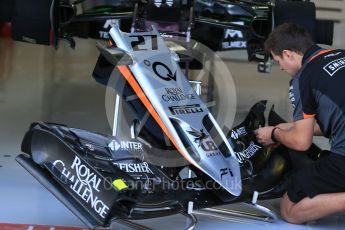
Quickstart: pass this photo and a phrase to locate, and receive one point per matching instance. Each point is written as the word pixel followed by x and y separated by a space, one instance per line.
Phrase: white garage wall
pixel 339 35
pixel 333 10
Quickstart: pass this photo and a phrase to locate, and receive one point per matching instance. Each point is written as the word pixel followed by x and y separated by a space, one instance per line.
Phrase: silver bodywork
pixel 185 117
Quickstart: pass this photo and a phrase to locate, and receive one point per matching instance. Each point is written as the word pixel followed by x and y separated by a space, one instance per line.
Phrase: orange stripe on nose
pixel 139 92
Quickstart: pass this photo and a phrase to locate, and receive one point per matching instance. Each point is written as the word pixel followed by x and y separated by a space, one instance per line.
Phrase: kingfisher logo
pixel 134 167
pixel 203 141
pixel 199 136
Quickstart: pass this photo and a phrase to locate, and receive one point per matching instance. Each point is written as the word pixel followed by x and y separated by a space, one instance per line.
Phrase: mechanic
pixel 317 93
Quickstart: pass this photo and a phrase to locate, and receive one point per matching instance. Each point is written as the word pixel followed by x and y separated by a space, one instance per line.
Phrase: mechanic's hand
pixel 263 135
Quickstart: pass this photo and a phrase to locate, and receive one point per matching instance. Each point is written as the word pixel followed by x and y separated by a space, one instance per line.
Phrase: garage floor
pixel 38 83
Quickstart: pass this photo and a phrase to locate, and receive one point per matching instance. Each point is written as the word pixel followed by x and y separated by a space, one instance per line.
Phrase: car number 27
pixel 144 42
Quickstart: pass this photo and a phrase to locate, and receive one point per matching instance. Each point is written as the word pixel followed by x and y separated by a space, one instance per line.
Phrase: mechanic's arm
pixel 317 130
pixel 298 137
pixel 285 126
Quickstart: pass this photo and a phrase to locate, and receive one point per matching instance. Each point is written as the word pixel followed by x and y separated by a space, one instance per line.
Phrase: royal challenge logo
pixel 84 183
pixel 176 94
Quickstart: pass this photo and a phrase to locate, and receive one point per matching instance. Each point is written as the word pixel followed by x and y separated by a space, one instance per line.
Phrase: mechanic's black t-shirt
pixel 318 89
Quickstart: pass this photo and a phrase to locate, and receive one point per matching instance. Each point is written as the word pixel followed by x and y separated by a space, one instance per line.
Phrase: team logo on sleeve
pixel 292 97
pixel 332 67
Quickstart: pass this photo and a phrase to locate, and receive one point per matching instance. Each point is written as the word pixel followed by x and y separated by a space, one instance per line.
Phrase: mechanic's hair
pixel 288 36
